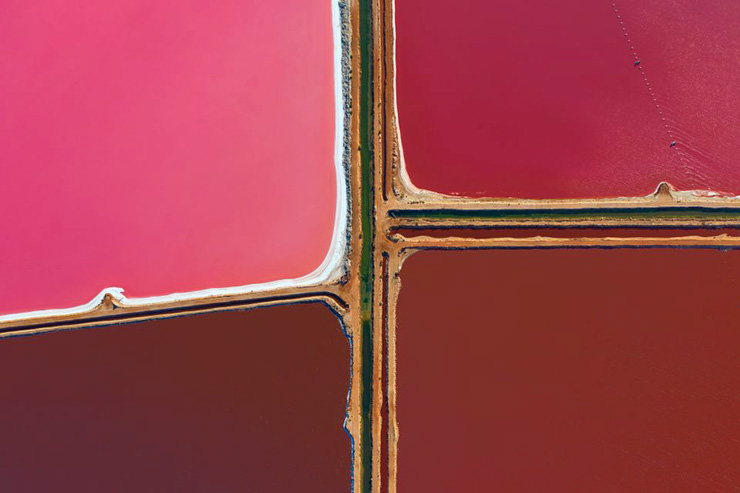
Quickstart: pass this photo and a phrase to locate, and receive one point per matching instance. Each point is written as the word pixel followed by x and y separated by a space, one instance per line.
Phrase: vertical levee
pixel 392 284
pixel 382 372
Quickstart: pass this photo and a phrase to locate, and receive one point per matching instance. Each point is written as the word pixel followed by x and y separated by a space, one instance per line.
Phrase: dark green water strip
pixel 697 213
pixel 367 228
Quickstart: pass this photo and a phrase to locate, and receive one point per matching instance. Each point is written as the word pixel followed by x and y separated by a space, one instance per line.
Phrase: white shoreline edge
pixel 329 270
